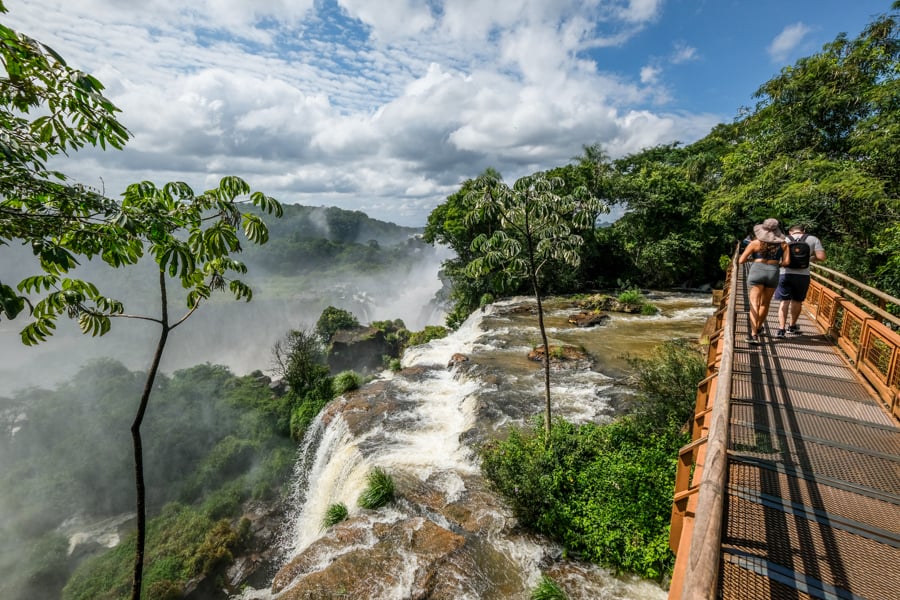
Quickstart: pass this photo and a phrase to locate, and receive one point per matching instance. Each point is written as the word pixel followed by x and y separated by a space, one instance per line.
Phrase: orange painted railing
pixel 856 316
pixel 698 504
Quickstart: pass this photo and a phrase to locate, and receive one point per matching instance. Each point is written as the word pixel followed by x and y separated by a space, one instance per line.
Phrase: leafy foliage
pixel 667 385
pixel 213 438
pixel 331 320
pixel 537 231
pixel 605 491
pixel 299 359
pixel 379 489
pixel 431 332
pixel 346 381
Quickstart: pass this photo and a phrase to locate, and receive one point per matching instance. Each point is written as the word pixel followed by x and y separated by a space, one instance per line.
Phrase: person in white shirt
pixel 793 282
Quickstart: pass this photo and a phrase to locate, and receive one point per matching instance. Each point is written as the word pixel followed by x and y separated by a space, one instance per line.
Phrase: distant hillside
pixel 331 240
pixel 337 225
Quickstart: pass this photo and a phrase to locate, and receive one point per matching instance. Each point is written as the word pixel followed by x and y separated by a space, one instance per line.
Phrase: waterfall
pixel 422 426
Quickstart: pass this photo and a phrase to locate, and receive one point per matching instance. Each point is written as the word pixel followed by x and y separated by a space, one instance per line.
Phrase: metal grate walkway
pixel 813 493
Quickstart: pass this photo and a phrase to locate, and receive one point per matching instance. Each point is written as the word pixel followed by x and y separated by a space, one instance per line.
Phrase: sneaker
pixel 753 339
pixel 793 329
pixel 779 333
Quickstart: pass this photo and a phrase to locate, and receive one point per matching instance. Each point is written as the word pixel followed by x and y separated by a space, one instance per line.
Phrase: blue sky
pixel 387 106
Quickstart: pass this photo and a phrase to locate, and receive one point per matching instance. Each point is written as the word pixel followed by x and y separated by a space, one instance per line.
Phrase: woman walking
pixel 768 253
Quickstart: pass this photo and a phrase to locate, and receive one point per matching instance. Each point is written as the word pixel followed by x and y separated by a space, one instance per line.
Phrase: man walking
pixel 793 282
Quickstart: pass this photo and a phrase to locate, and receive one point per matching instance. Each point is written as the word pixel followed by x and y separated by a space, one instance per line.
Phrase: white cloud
pixel 650 74
pixel 641 11
pixel 683 53
pixel 385 110
pixel 786 41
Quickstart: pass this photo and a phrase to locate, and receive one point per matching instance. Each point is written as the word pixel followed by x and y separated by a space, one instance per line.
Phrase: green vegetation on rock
pixel 605 491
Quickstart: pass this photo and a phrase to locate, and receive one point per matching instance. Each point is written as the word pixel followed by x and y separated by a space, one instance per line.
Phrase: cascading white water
pixel 427 436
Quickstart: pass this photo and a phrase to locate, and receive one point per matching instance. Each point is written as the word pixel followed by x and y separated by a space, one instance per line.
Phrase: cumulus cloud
pixel 786 41
pixel 381 107
pixel 650 74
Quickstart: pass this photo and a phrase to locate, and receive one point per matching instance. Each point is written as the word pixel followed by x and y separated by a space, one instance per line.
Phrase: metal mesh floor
pixel 813 504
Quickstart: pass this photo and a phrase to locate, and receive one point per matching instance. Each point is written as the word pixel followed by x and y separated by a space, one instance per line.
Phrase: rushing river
pixel 448 536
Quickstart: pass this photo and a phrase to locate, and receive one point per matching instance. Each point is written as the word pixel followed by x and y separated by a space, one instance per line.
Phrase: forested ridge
pixel 818 147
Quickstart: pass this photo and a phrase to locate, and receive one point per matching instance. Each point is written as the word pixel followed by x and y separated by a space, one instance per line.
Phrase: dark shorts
pixel 792 286
pixel 763 274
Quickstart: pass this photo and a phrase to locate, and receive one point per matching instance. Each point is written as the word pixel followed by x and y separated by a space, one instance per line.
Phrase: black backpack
pixel 799 251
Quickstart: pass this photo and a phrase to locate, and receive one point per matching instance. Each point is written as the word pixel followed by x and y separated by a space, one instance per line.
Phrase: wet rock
pixel 601 302
pixel 558 353
pixel 364 408
pixel 456 360
pixel 588 318
pixel 258 557
pixel 278 387
pixel 359 349
pixel 376 557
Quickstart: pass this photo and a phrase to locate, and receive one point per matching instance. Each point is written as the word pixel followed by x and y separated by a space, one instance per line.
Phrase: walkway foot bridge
pixel 790 488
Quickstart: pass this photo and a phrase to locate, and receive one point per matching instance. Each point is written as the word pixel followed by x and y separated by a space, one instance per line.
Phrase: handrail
pixel 866 333
pixel 841 288
pixel 701 569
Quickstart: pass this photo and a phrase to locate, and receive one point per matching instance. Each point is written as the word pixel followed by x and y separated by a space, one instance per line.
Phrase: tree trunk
pixel 540 309
pixel 138 576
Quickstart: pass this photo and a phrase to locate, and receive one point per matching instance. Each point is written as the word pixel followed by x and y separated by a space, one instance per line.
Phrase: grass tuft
pixel 334 514
pixel 548 590
pixel 380 490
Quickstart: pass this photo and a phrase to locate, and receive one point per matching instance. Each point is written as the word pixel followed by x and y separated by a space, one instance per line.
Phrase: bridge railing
pixel 698 505
pixel 856 316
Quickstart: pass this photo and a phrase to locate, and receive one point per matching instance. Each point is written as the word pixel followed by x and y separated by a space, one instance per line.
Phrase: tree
pixel 299 358
pixel 47 109
pixel 333 319
pixel 536 229
pixel 189 237
pixel 820 148
pixel 447 225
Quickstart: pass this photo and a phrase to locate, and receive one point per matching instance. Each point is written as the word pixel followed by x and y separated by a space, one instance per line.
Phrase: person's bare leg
pixel 755 293
pixel 764 302
pixel 784 307
pixel 795 311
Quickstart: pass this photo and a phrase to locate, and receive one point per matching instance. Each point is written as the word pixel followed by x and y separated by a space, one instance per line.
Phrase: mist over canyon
pixel 317 257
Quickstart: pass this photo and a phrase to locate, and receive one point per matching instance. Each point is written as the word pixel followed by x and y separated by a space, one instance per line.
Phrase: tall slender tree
pixel 48 108
pixel 537 229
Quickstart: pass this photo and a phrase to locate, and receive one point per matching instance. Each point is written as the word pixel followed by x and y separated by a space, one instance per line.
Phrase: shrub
pixel 299 358
pixel 667 384
pixel 333 319
pixel 215 550
pixel 632 296
pixel 604 491
pixel 648 309
pixel 548 590
pixel 431 332
pixel 395 364
pixel 346 381
pixel 304 414
pixel 379 491
pixel 334 514
pixel 164 589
